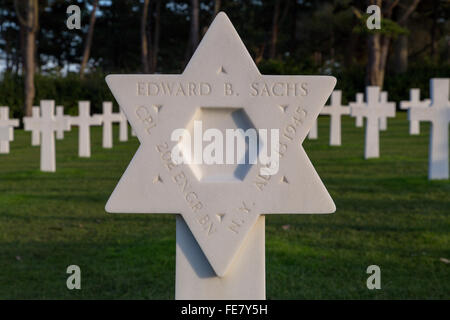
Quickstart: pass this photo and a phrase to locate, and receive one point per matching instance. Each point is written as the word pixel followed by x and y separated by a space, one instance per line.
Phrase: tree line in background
pixel 283 37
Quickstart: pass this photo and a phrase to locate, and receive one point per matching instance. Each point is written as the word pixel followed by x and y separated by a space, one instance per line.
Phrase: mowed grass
pixel 388 214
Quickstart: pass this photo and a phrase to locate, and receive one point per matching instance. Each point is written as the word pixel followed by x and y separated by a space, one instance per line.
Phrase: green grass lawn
pixel 388 214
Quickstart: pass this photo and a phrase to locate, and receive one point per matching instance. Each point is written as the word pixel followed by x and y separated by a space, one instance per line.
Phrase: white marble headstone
pixel 84 121
pixel 439 116
pixel 47 125
pixel 384 101
pixel 108 118
pixel 358 103
pixel 220 237
pixel 31 124
pixel 60 117
pixel 414 102
pixel 335 110
pixel 373 111
pixel 6 129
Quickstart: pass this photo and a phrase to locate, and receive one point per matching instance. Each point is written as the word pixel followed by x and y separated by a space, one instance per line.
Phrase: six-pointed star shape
pixel 219 214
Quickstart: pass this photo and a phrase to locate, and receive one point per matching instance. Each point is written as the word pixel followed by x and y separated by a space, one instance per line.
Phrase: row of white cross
pixel 43 124
pixel 376 99
pixel 385 109
pixel 376 109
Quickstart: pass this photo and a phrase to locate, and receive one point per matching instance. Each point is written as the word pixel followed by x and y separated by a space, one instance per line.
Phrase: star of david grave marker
pixel 414 102
pixel 439 116
pixel 220 230
pixel 335 110
pixel 6 129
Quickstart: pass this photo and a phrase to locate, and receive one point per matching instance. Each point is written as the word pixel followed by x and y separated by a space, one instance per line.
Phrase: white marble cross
pixel 358 103
pixel 220 233
pixel 414 102
pixel 47 125
pixel 31 124
pixel 384 101
pixel 84 121
pixel 108 118
pixel 60 117
pixel 439 116
pixel 123 127
pixel 373 112
pixel 6 129
pixel 335 110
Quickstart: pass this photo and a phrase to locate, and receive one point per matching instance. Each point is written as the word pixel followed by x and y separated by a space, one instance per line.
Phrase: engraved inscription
pixel 198 89
pixel 178 88
pixel 289 133
pixel 190 196
pixel 278 89
pixel 144 114
pixel 240 217
pixel 228 89
pixel 261 181
pixel 234 226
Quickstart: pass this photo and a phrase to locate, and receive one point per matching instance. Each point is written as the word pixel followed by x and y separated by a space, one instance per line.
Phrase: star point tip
pixel 108 208
pixel 332 207
pixel 109 78
pixel 222 14
pixel 221 17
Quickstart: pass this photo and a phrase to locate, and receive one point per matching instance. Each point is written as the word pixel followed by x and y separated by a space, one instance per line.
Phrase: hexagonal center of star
pixel 223 144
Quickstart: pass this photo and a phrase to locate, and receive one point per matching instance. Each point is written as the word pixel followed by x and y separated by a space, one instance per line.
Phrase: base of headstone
pixel 196 280
pixel 335 132
pixel 35 139
pixel 107 141
pixel 84 143
pixel 414 127
pixel 48 161
pixel 359 122
pixel 372 142
pixel 438 167
pixel 123 132
pixel 383 124
pixel 4 147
